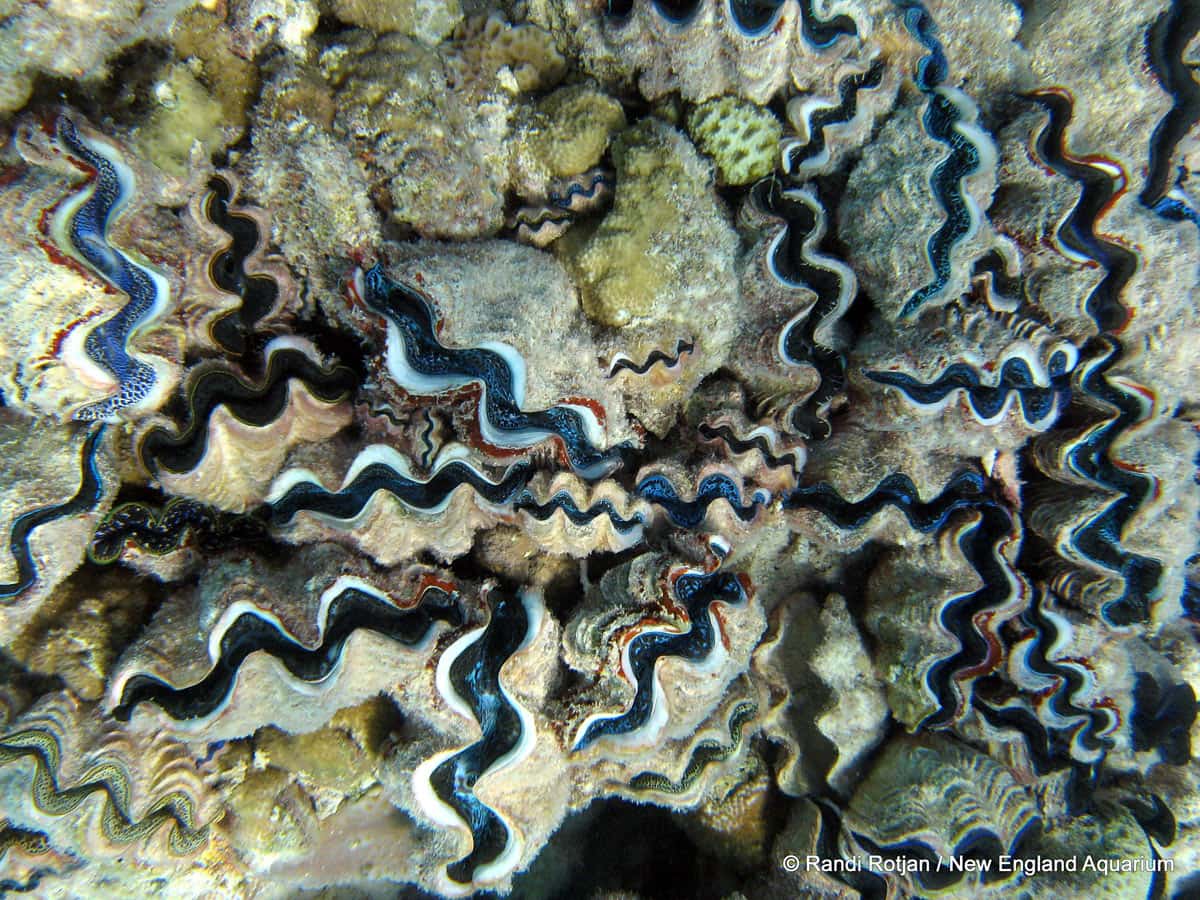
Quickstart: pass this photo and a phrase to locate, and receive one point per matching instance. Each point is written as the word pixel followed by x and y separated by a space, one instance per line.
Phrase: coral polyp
pixel 702 448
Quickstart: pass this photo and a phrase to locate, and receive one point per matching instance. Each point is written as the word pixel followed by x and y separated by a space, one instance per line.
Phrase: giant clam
pixel 761 436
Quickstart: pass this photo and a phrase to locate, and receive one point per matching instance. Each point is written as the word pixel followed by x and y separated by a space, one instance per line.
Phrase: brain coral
pixel 742 139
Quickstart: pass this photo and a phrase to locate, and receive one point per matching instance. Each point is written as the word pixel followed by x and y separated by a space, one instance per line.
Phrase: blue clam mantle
pixel 85 219
pixel 420 363
pixel 796 261
pixel 469 678
pixel 1039 402
pixel 980 542
pixel 751 18
pixel 697 592
pixel 949 118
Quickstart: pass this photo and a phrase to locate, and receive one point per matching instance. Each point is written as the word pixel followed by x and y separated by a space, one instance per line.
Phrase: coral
pixel 270 818
pixel 408 132
pixel 651 266
pixel 81 629
pixel 259 24
pixel 742 139
pixel 202 35
pixel 489 53
pixel 570 129
pixel 297 165
pixel 429 21
pixel 622 276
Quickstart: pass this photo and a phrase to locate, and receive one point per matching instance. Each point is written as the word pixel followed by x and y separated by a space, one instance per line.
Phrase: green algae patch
pixel 186 114
pixel 204 40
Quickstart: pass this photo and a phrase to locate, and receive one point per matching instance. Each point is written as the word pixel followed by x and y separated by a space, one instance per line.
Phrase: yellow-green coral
pixel 641 261
pixel 741 138
pixel 328 758
pixel 296 91
pixel 621 277
pixel 442 162
pixel 488 53
pixel 572 127
pixel 80 631
pixel 269 814
pixel 427 20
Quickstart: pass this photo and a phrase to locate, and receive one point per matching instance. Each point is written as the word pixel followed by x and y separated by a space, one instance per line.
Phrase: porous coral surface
pixel 634 449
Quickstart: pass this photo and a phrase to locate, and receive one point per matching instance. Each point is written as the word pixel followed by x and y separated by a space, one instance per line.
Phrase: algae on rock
pixel 660 267
pixel 186 115
pixel 71 40
pixel 439 163
pixel 203 38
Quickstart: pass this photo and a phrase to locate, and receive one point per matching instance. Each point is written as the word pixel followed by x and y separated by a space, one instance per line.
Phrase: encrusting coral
pixel 427 20
pixel 742 139
pixel 565 135
pixel 747 433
